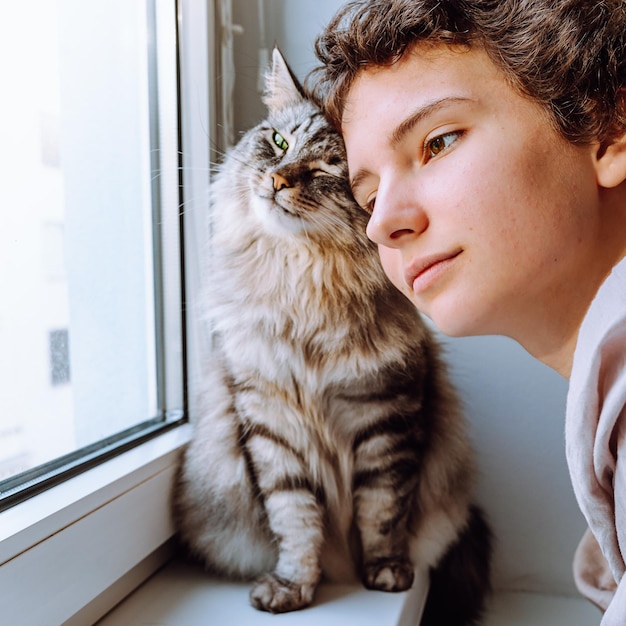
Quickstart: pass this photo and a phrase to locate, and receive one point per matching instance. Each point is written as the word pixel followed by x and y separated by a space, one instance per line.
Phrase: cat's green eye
pixel 279 140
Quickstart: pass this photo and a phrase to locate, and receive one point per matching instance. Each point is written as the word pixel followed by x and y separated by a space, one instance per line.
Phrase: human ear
pixel 611 154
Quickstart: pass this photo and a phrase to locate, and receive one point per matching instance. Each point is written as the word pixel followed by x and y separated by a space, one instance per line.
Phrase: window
pixel 91 325
pixel 110 522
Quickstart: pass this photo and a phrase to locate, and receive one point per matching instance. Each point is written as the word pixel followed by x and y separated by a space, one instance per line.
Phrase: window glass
pixel 81 326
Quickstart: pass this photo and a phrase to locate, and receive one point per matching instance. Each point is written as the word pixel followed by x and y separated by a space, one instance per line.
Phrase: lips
pixel 424 271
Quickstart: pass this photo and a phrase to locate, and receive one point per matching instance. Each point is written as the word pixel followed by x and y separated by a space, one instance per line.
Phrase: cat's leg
pixel 386 564
pixel 295 516
pixel 384 483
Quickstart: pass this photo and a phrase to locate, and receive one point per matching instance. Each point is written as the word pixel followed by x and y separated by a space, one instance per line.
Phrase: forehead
pixel 426 72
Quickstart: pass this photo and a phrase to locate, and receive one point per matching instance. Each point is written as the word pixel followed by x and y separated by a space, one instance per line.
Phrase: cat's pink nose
pixel 280 182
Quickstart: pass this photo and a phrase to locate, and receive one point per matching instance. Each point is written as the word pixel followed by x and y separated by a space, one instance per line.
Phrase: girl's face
pixel 485 217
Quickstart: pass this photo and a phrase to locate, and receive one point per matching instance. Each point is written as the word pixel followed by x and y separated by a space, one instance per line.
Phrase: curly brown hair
pixel 567 55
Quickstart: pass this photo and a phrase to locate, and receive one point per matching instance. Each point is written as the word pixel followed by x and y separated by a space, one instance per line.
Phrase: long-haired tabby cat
pixel 330 442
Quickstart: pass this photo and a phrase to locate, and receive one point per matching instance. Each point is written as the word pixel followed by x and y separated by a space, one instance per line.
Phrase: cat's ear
pixel 282 88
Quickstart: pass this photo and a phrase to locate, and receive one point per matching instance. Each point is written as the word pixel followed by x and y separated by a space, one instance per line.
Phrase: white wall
pixel 515 405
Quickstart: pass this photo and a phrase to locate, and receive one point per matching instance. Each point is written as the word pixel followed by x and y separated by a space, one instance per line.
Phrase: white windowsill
pixel 183 595
pixel 102 532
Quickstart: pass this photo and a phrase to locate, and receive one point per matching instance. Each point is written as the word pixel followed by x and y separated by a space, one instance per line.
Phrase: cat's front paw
pixel 388 575
pixel 276 595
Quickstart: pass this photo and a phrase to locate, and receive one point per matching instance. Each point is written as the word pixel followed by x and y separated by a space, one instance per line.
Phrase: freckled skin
pixel 482 172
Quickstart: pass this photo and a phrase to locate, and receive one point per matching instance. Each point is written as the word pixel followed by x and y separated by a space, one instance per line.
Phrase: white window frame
pixel 70 553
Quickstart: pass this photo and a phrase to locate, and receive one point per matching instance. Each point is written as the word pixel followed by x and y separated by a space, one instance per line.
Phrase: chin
pixel 455 321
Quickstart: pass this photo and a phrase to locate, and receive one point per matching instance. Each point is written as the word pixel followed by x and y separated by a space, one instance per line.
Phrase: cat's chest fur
pixel 300 351
pixel 291 309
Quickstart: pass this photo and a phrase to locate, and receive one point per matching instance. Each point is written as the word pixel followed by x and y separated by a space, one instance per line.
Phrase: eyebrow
pixel 405 127
pixel 422 112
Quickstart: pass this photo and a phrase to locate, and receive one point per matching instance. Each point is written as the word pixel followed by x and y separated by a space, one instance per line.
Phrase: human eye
pixel 439 144
pixel 368 204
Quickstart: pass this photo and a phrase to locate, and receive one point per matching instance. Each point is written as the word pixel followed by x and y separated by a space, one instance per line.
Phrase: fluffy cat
pixel 330 443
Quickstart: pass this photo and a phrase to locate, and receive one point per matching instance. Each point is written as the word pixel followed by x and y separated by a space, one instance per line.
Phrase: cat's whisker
pixel 305 230
pixel 156 174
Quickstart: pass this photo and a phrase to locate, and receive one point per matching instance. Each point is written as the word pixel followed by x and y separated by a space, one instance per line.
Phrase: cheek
pixel 391 261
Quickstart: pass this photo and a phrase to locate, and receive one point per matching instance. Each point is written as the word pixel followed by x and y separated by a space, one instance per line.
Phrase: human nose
pixel 396 219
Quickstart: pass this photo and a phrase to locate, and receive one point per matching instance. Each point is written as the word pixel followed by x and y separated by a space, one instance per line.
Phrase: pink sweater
pixel 595 432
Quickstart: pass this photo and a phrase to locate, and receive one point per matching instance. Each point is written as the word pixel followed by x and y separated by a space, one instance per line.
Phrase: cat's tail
pixel 460 584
